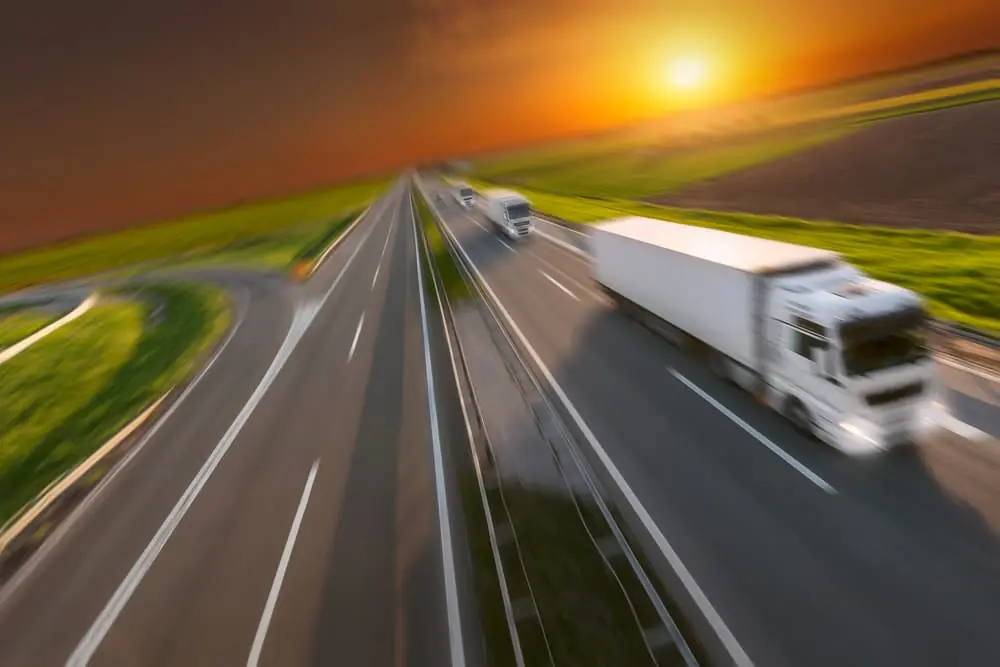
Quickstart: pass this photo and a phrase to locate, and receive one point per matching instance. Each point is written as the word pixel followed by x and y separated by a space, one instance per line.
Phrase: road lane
pixel 900 567
pixel 366 559
pixel 79 570
pixel 365 586
pixel 350 584
pixel 214 492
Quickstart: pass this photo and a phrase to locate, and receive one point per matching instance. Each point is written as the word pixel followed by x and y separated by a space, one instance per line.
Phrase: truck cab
pixel 847 360
pixel 508 212
pixel 464 195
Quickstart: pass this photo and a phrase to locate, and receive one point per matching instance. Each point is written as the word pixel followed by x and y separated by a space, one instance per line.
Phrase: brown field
pixel 936 170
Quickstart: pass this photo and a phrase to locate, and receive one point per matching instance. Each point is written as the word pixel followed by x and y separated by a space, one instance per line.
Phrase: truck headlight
pixel 933 412
pixel 862 430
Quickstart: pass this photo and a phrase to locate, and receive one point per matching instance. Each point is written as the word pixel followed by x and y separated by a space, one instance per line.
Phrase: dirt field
pixel 933 170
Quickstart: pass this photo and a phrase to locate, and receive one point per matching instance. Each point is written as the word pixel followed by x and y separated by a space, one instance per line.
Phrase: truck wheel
pixel 719 366
pixel 799 416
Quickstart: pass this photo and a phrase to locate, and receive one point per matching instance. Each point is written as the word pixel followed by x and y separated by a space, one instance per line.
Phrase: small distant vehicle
pixel 464 195
pixel 508 212
pixel 837 352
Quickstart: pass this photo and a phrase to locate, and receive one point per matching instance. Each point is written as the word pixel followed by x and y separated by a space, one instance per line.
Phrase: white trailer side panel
pixel 712 302
pixel 699 280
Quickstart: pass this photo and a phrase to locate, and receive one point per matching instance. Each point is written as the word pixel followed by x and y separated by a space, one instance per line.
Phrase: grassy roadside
pixel 585 615
pixel 957 273
pixel 584 618
pixel 454 285
pixel 283 223
pixel 20 324
pixel 65 396
pixel 280 251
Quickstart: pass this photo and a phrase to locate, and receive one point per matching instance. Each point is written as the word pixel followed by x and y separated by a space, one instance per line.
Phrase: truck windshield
pixel 465 193
pixel 896 348
pixel 518 211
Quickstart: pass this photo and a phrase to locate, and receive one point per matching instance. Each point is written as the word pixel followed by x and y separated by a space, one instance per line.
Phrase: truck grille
pixel 894 395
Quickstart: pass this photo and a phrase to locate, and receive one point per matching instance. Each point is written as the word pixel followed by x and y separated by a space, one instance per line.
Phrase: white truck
pixel 508 212
pixel 839 353
pixel 464 195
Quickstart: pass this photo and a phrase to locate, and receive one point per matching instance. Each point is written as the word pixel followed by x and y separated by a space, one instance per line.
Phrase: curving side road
pixel 288 510
pixel 794 554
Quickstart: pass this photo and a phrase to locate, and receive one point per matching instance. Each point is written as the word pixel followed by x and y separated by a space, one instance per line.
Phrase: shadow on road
pixel 910 538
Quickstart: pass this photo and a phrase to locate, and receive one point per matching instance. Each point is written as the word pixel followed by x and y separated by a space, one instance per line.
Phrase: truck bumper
pixel 861 437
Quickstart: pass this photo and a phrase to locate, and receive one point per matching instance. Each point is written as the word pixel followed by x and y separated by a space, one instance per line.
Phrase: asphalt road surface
pixel 287 511
pixel 792 554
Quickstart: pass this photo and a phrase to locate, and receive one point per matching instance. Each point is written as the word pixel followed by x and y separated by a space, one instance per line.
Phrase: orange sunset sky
pixel 115 111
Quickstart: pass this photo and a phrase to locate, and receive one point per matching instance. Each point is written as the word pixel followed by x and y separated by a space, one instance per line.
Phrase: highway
pixel 791 553
pixel 288 509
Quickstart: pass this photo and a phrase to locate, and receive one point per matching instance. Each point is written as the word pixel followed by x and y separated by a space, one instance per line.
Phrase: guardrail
pixel 966 333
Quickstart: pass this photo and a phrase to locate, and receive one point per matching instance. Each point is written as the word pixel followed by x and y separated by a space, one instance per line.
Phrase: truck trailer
pixel 840 354
pixel 507 212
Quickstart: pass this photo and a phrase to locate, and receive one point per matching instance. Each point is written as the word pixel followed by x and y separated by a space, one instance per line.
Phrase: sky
pixel 114 112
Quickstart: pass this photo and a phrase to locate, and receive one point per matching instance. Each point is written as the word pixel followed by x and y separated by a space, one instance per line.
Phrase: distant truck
pixel 464 195
pixel 838 353
pixel 508 212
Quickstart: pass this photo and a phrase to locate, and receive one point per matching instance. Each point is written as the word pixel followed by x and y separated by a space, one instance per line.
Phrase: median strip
pixel 552 590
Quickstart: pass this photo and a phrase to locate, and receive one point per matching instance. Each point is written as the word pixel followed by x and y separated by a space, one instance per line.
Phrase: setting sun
pixel 687 73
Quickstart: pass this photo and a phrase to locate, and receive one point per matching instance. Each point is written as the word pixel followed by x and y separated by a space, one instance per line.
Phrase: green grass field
pixel 66 395
pixel 21 324
pixel 957 273
pixel 284 223
pixel 451 277
pixel 642 163
pixel 643 172
pixel 276 251
pixel 902 105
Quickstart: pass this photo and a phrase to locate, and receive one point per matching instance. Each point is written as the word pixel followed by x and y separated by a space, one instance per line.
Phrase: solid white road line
pixel 279 575
pixel 357 334
pixel 490 525
pixel 558 284
pixel 729 641
pixel 23 344
pixel 757 435
pixel 102 625
pixel 444 517
pixel 506 245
